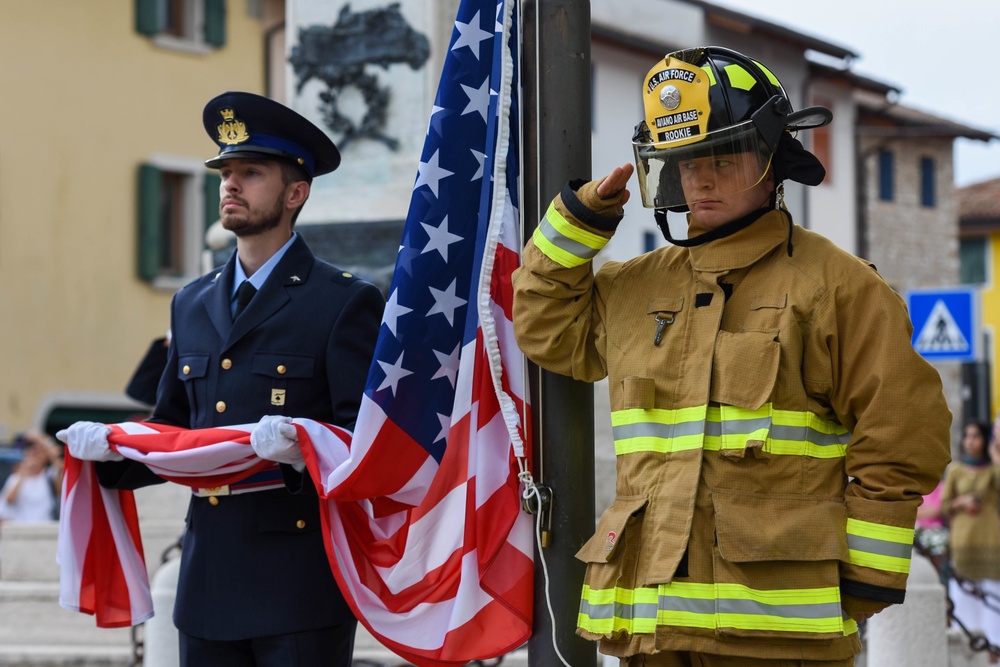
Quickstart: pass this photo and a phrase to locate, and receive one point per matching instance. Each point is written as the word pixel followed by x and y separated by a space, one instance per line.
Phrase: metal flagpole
pixel 557 148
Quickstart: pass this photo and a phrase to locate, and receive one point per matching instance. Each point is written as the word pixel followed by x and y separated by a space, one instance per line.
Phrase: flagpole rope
pixel 531 489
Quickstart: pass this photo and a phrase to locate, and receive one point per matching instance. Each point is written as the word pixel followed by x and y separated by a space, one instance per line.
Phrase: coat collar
pixel 744 247
pixel 292 271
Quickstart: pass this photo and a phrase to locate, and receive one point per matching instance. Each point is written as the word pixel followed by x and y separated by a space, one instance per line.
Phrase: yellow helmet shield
pixel 675 99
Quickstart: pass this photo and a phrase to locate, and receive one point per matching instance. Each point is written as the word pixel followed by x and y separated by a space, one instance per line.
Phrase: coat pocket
pixel 754 527
pixel 192 369
pixel 777 559
pixel 638 393
pixel 745 368
pixel 603 545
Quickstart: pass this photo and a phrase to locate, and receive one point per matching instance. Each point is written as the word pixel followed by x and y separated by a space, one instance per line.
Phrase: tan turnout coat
pixel 772 446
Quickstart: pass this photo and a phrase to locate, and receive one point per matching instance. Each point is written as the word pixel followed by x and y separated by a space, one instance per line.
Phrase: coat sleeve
pixel 558 313
pixel 892 401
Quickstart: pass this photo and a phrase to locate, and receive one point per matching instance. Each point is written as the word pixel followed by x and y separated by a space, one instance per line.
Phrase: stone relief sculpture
pixel 342 55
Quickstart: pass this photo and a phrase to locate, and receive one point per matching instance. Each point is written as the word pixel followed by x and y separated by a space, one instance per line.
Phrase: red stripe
pixel 393 459
pixel 501 284
pixel 104 590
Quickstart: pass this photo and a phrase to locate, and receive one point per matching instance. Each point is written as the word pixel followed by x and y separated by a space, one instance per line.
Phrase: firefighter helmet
pixel 711 102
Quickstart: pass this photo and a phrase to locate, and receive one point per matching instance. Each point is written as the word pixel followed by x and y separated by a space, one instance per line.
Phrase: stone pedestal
pixel 913 633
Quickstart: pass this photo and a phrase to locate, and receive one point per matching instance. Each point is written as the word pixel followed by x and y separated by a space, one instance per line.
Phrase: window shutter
pixel 212 182
pixel 886 175
pixel 147 17
pixel 928 195
pixel 215 22
pixel 149 223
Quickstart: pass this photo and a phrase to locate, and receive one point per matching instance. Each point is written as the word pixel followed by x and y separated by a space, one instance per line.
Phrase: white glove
pixel 275 439
pixel 88 441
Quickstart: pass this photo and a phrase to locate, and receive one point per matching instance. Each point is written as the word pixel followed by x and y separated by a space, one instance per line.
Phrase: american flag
pixel 441 421
pixel 421 505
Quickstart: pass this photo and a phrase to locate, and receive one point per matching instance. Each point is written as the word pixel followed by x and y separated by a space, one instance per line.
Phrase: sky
pixel 944 56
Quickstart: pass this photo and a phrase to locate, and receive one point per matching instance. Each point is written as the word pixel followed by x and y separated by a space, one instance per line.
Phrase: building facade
pixel 98 96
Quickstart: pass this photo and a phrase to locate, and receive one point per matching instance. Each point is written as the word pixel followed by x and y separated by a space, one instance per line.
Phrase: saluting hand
pixel 615 182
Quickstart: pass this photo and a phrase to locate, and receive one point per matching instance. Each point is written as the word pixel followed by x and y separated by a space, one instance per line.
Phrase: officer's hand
pixel 607 196
pixel 88 441
pixel 275 439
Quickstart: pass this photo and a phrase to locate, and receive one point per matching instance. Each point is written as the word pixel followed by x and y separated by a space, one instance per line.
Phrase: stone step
pixel 30 615
pixel 28 550
pixel 35 630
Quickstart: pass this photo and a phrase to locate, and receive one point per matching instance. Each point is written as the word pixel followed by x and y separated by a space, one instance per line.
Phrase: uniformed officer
pixel 275 331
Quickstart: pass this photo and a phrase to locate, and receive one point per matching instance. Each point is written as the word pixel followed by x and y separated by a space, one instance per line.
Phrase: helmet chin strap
pixel 719 232
pixel 731 227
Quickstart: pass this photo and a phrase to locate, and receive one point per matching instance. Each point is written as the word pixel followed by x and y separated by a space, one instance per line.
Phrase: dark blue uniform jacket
pixel 255 564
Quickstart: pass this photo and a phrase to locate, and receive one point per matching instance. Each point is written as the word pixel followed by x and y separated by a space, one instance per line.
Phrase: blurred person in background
pixel 31 492
pixel 969 500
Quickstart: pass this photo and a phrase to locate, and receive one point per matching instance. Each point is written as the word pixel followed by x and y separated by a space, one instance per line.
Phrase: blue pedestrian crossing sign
pixel 945 323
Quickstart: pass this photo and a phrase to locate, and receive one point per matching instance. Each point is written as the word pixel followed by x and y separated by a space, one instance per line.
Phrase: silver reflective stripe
pixel 806 434
pixel 881 547
pixel 564 243
pixel 657 430
pixel 754 608
pixel 736 426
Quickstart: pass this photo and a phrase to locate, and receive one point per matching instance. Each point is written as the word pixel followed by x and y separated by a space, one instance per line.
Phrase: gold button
pixel 347 275
pixel 281 369
pixel 227 364
pixel 213 501
pixel 186 370
pixel 300 524
pixel 220 406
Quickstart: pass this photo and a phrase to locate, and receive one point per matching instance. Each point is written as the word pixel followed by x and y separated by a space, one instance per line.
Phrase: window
pixel 178 201
pixel 972 261
pixel 928 196
pixel 821 138
pixel 886 192
pixel 649 241
pixel 182 23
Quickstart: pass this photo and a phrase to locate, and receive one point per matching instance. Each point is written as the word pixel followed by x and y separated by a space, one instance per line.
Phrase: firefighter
pixel 773 426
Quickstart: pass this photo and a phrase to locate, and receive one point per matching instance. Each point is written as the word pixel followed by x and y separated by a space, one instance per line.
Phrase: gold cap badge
pixel 231 130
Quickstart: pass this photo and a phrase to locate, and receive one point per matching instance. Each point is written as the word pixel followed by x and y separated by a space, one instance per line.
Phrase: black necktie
pixel 243 296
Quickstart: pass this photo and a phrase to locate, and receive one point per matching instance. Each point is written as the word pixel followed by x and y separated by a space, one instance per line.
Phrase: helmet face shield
pixel 724 162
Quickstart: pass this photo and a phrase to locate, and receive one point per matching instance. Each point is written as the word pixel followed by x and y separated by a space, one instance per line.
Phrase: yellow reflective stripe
pixel 793 610
pixel 770 76
pixel 729 427
pixel 614 609
pixel 710 73
pixel 739 77
pixel 712 606
pixel 563 242
pixel 660 431
pixel 716 428
pixel 879 546
pixel 817 437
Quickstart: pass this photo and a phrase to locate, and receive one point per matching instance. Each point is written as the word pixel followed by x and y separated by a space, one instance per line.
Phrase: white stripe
pixel 430 542
pixel 133 565
pixel 75 528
